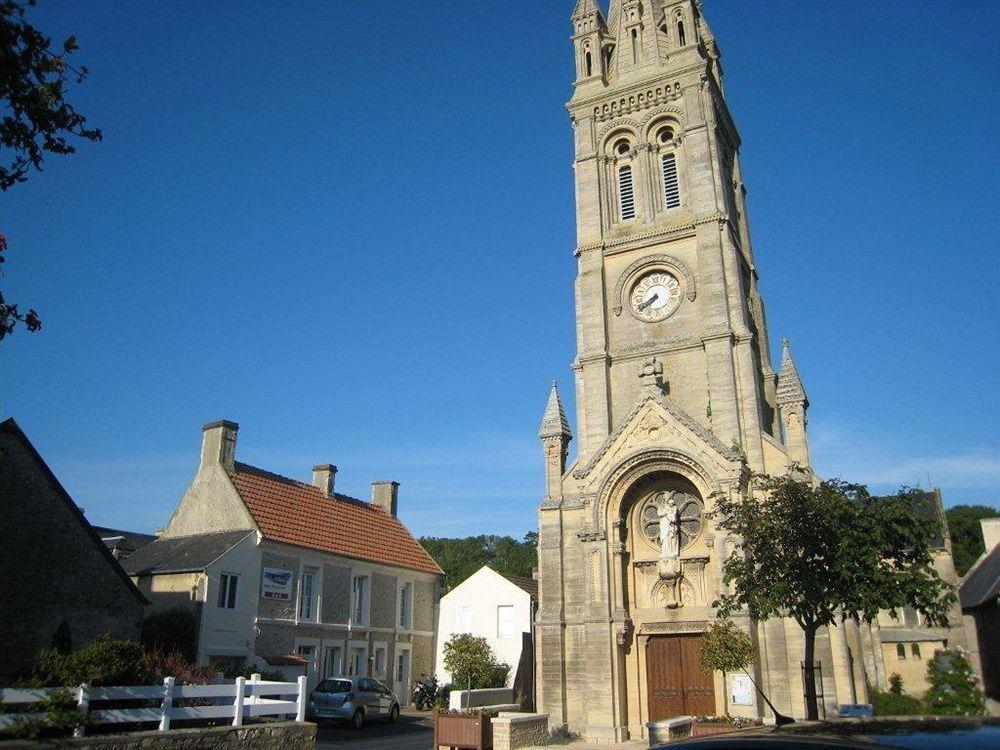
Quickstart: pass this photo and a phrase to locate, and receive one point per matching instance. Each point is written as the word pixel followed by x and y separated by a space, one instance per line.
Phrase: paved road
pixel 413 731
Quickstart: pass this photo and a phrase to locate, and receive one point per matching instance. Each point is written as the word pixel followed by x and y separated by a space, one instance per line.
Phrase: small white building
pixel 499 608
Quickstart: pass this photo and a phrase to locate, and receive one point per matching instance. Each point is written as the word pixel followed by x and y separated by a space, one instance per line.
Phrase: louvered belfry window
pixel 671 187
pixel 626 194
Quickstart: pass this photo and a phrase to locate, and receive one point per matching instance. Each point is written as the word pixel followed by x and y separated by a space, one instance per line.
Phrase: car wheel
pixel 394 713
pixel 358 720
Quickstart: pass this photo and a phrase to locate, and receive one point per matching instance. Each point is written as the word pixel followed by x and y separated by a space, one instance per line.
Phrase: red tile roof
pixel 300 514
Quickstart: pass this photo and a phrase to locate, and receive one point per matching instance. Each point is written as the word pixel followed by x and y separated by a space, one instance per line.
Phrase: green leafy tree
pixel 103 661
pixel 820 553
pixel 954 686
pixel 470 661
pixel 460 558
pixel 726 648
pixel 966 533
pixel 37 120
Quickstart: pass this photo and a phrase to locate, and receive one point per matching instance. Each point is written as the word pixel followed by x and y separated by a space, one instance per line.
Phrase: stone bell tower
pixel 676 397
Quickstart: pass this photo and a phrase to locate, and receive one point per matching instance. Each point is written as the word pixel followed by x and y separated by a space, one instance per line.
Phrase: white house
pixel 499 608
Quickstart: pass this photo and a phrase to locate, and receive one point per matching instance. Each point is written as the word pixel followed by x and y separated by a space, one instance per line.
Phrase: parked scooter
pixel 425 692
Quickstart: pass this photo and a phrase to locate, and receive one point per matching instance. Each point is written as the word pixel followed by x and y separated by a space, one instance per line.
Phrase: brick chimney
pixel 323 477
pixel 991 532
pixel 385 495
pixel 218 444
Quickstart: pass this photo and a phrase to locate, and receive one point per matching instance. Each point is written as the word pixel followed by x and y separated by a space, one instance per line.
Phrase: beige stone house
pixel 282 571
pixel 677 398
pixel 59 582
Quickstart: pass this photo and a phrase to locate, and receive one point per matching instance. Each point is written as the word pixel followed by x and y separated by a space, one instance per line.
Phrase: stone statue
pixel 669 564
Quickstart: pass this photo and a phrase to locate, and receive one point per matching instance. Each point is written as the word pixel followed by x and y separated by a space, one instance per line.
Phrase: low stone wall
pixel 285 735
pixel 459 699
pixel 514 730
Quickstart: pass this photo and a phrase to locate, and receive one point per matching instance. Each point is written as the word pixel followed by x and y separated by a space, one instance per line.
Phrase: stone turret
pixel 589 34
pixel 555 435
pixel 793 405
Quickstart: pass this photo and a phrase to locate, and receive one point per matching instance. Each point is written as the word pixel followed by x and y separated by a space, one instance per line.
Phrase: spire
pixel 585 8
pixel 790 388
pixel 554 423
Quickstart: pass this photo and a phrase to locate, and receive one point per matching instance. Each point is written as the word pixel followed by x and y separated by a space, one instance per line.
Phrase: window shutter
pixel 671 187
pixel 626 195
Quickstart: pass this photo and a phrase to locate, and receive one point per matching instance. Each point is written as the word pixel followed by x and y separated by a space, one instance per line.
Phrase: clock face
pixel 655 296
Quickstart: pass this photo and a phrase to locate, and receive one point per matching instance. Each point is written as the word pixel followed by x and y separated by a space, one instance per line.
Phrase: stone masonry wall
pixel 512 731
pixel 284 735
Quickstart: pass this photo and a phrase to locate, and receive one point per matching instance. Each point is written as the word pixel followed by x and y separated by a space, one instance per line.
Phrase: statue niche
pixel 667 519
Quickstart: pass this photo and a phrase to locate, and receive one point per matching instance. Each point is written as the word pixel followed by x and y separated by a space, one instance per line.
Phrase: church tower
pixel 676 397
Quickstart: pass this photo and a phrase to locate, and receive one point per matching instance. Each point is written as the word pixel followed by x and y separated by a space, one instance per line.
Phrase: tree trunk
pixel 809 675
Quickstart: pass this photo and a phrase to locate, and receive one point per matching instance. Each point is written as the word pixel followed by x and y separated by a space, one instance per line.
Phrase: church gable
pixel 657 422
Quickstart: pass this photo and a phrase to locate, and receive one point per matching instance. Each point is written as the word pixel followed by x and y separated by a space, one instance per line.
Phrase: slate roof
pixel 528 585
pixel 124 541
pixel 908 635
pixel 182 554
pixel 296 513
pixel 982 584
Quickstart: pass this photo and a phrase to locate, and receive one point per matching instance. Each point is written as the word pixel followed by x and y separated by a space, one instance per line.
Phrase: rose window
pixel 690 517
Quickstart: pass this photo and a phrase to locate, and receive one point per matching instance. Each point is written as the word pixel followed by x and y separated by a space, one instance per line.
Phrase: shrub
pixel 55 716
pixel 894 704
pixel 443 696
pixel 954 685
pixel 103 661
pixel 896 683
pixel 171 630
pixel 471 661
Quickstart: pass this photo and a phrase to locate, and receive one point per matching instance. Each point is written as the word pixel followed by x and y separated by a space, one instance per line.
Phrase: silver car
pixel 351 699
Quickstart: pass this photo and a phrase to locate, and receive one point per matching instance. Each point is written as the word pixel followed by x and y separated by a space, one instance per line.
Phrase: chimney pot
pixel 385 495
pixel 218 444
pixel 323 477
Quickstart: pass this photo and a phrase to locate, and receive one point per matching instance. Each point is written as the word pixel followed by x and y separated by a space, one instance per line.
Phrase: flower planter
pixel 462 731
pixel 708 728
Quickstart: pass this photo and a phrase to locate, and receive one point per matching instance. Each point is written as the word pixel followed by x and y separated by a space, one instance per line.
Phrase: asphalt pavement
pixel 413 731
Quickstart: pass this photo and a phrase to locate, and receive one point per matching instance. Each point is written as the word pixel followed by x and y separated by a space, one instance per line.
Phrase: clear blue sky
pixel 349 227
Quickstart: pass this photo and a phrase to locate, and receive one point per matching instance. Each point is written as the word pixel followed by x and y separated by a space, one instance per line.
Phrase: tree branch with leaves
pixel 35 118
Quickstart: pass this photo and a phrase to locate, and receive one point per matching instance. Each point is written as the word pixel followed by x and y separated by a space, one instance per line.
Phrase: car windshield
pixel 334 686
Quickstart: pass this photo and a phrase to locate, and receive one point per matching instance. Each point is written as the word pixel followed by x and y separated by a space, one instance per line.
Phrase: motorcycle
pixel 425 692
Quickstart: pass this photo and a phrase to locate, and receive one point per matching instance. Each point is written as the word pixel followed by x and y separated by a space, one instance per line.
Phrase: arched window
pixel 590 65
pixel 635 46
pixel 626 194
pixel 680 33
pixel 901 651
pixel 671 185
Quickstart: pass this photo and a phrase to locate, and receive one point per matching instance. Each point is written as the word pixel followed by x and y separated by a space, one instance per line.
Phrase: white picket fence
pixel 246 699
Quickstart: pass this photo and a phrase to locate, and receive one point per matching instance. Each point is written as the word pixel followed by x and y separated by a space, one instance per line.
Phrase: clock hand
pixel 648 302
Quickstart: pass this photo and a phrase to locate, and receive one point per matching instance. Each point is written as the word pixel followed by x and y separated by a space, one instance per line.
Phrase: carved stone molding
pixel 658 628
pixel 658 260
pixel 669 232
pixel 591 536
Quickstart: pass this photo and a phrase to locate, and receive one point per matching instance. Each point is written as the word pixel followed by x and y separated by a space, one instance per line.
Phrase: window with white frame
pixel 359 600
pixel 671 185
pixel 227 590
pixel 406 606
pixel 402 665
pixel 379 661
pixel 626 193
pixel 357 661
pixel 333 664
pixel 461 619
pixel 308 594
pixel 308 652
pixel 505 621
